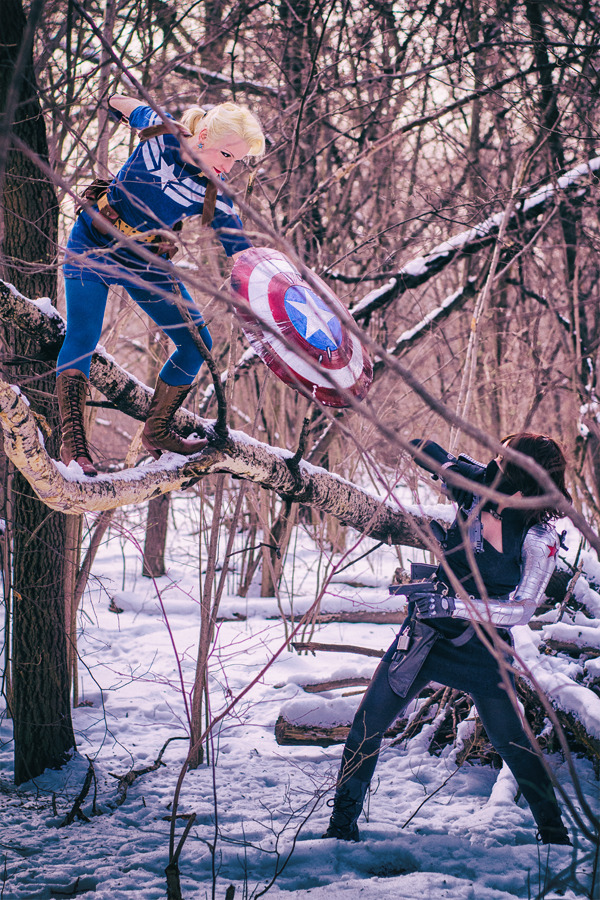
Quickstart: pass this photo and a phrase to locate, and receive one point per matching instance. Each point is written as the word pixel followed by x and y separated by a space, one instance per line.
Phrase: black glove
pixel 443 462
pixel 463 497
pixel 431 605
pixel 438 456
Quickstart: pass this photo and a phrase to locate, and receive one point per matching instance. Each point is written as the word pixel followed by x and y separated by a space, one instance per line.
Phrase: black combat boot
pixel 347 807
pixel 551 828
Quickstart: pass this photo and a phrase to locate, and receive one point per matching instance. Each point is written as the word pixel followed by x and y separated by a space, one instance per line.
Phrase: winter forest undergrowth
pixel 433 827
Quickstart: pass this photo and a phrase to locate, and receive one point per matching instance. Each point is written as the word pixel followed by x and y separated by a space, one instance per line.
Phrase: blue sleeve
pixel 226 217
pixel 142 116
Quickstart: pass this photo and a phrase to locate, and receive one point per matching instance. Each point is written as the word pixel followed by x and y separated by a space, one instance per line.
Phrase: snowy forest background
pixel 436 163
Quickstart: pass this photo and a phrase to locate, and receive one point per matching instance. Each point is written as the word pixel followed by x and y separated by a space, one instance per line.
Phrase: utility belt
pixel 158 241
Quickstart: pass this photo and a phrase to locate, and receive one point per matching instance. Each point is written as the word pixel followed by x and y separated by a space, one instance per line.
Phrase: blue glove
pixel 433 606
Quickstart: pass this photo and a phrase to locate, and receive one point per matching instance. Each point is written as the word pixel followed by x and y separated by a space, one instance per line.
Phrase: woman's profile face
pixel 219 154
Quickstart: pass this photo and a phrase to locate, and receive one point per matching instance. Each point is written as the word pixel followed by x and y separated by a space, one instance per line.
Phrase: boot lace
pixel 74 392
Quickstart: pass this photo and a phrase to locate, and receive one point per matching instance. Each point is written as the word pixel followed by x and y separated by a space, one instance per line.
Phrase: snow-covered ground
pixel 261 809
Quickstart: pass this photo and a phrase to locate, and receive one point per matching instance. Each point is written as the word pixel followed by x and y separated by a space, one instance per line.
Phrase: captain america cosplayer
pixel 511 553
pixel 157 188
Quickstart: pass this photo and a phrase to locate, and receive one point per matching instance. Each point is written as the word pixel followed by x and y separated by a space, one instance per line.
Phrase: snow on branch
pixel 422 268
pixel 203 75
pixel 68 490
pixel 431 320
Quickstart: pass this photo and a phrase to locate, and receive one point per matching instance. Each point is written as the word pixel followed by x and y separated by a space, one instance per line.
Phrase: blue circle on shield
pixel 312 318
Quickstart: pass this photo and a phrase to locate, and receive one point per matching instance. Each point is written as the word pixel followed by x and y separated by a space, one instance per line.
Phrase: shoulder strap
pixel 151 131
pixel 210 202
pixel 210 198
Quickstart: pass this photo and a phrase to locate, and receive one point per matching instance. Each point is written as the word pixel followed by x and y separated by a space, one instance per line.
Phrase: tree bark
pixel 379 518
pixel 157 522
pixel 43 732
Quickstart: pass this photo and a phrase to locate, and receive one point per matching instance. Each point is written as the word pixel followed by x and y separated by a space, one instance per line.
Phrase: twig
pixel 221 429
pixel 172 870
pixel 569 591
pixel 76 811
pixel 125 781
pixel 312 646
pixel 293 462
pixel 413 727
pixel 429 796
pixel 100 526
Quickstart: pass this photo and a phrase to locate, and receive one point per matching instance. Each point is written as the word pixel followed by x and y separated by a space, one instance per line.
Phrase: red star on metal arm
pixel 552 550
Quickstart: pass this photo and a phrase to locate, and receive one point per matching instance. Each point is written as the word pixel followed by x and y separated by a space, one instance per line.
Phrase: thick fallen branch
pixel 68 491
pixel 318 687
pixel 125 781
pixel 313 646
pixel 356 617
pixel 577 651
pixel 568 721
pixel 76 812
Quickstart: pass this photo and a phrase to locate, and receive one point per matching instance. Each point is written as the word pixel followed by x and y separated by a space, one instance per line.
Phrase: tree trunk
pixel 157 520
pixel 156 535
pixel 43 731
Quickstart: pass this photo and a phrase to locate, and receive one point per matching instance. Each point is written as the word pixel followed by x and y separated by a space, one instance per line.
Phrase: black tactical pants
pixel 470 668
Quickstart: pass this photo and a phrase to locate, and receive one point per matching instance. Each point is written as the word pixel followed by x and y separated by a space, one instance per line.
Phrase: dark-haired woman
pixel 503 558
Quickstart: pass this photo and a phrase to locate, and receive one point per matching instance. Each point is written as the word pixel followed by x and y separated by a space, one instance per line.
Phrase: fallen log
pixel 572 727
pixel 334 685
pixel 571 648
pixel 294 735
pixel 356 617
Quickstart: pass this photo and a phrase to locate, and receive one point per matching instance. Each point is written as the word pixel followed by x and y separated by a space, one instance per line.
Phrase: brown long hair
pixel 549 455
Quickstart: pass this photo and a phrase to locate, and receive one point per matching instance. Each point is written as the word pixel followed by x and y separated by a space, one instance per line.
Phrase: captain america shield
pixel 319 356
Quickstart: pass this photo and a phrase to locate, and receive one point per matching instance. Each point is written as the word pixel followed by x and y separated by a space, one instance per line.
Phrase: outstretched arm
pixel 439 462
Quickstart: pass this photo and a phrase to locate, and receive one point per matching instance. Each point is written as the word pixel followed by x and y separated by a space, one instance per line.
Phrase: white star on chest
pixel 166 173
pixel 316 319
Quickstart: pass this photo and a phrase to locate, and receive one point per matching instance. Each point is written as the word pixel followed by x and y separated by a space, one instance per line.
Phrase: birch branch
pixel 420 269
pixel 67 490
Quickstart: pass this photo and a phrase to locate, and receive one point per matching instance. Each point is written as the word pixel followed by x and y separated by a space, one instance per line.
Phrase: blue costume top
pixel 155 189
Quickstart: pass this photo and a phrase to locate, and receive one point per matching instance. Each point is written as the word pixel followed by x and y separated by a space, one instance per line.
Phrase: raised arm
pixel 121 107
pixel 439 462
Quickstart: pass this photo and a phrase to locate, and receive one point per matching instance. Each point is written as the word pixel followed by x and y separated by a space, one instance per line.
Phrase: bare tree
pixel 39 703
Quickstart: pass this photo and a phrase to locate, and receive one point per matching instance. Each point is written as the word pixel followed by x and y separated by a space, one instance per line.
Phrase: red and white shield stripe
pixel 300 335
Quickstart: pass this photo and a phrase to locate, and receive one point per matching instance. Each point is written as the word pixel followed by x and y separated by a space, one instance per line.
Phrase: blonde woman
pixel 162 183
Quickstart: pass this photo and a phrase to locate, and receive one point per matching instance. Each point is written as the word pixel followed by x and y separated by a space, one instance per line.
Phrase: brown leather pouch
pixel 94 191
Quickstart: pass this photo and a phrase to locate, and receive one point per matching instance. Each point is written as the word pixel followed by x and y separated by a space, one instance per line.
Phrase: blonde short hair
pixel 227 118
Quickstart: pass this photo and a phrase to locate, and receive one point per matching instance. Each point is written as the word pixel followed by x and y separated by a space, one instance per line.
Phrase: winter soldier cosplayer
pixel 515 554
pixel 159 185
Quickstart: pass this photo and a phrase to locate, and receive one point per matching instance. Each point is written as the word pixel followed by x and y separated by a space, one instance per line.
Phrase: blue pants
pixel 454 667
pixel 86 303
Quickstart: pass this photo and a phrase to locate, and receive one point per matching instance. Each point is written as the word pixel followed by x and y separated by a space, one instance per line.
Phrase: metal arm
pixel 538 557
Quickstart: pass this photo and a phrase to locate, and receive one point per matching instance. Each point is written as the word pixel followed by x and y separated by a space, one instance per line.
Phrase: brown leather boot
pixel 157 436
pixel 72 387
